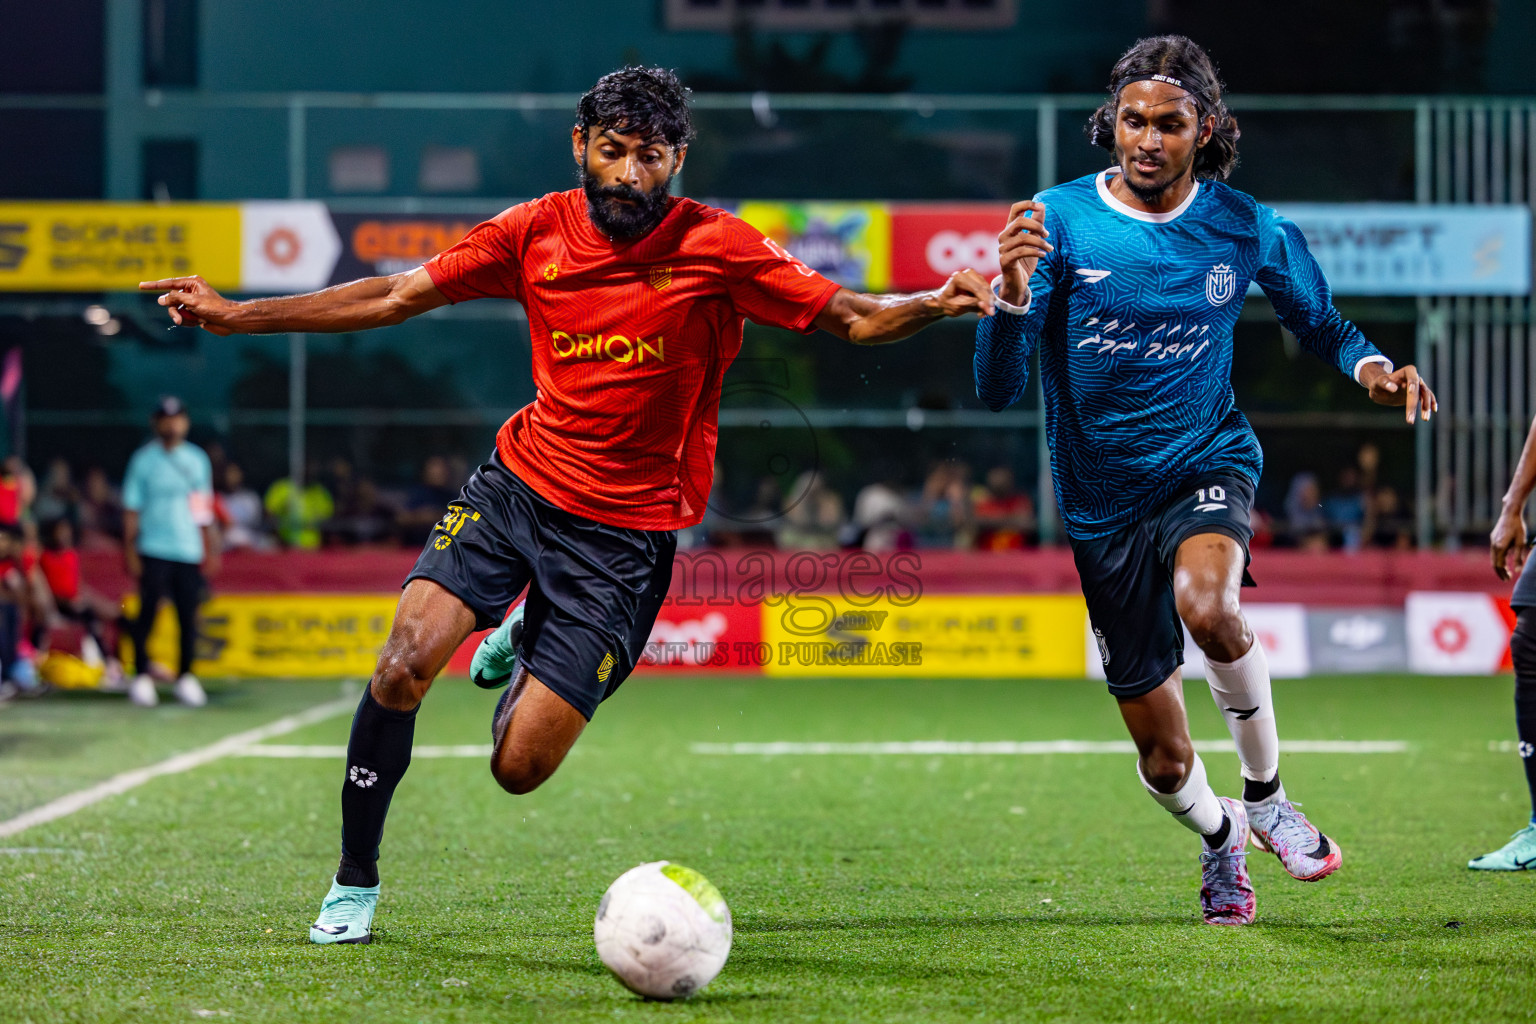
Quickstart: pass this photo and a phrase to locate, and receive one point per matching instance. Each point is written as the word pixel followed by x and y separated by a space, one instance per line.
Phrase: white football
pixel 663 930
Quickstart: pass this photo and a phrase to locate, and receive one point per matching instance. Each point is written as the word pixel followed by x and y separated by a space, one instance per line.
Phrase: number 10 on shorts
pixel 1209 499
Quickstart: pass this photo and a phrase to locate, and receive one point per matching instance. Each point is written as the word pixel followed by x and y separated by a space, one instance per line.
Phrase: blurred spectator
pixel 16 673
pixel 1004 516
pixel 57 498
pixel 243 514
pixel 813 515
pixel 1345 510
pixel 881 515
pixel 101 513
pixel 18 488
pixel 341 481
pixel 943 513
pixel 1390 524
pixel 168 537
pixel 366 519
pixel 426 503
pixel 1368 459
pixel 74 601
pixel 1263 526
pixel 1304 520
pixel 299 511
pixel 753 526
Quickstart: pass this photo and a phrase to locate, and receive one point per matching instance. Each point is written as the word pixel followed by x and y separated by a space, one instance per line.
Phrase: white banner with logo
pixel 286 246
pixel 1456 633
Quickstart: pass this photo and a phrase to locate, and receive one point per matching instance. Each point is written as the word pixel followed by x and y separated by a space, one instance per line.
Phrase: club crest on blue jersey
pixel 1220 284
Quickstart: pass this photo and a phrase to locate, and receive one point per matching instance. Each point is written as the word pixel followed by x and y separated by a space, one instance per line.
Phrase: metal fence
pixel 1480 353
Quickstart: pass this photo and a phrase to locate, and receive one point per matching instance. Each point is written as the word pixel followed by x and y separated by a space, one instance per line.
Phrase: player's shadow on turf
pixel 27 744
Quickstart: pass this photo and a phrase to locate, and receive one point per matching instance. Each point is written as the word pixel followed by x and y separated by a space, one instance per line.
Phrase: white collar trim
pixel 1102 183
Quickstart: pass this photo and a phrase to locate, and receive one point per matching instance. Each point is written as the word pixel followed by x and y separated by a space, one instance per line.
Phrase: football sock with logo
pixel 1254 790
pixel 378 754
pixel 1522 650
pixel 1242 693
pixel 1194 804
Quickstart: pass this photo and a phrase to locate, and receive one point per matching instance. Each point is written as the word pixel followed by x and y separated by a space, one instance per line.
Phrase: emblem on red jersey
pixel 661 277
pixel 552 271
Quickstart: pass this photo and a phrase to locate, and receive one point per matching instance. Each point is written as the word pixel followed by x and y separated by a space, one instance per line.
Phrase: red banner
pixel 931 241
pixel 703 637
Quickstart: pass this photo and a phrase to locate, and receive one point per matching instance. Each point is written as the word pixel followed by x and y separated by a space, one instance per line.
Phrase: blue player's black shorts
pixel 593 590
pixel 1128 578
pixel 1525 589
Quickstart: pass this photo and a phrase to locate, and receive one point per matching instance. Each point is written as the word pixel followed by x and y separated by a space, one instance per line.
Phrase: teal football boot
pixel 1519 854
pixel 346 916
pixel 496 657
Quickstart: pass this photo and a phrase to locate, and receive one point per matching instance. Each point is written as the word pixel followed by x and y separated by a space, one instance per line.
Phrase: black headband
pixel 1129 79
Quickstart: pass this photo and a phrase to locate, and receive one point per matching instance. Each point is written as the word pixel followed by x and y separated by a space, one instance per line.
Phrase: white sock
pixel 1194 804
pixel 1242 694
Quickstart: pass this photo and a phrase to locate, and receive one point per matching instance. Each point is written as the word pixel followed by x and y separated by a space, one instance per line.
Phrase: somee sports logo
pixel 13 245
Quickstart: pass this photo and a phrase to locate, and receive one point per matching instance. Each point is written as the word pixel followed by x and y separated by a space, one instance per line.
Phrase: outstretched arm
pixel 1508 544
pixel 879 319
pixel 358 306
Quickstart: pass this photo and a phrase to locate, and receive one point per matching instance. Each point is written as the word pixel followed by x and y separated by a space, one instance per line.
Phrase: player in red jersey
pixel 635 302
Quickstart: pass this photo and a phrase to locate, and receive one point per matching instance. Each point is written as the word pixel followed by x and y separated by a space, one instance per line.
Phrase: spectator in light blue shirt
pixel 168 537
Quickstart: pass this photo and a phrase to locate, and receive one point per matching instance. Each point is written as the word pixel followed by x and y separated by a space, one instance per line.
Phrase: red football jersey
pixel 631 340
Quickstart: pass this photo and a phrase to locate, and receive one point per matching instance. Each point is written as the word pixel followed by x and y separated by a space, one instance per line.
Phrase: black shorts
pixel 1128 578
pixel 1525 589
pixel 593 590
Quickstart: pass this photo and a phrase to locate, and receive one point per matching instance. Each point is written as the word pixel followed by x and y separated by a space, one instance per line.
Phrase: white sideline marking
pixel 72 802
pixel 1037 747
pixel 297 750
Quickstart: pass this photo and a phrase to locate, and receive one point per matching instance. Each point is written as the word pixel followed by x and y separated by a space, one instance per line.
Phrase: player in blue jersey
pixel 1128 283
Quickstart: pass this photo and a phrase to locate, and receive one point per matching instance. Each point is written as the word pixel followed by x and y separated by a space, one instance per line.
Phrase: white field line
pixel 72 802
pixel 299 751
pixel 1011 747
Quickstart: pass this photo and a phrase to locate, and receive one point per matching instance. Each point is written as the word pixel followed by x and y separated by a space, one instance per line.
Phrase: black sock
pixel 1522 649
pixel 1253 791
pixel 361 875
pixel 1216 839
pixel 378 754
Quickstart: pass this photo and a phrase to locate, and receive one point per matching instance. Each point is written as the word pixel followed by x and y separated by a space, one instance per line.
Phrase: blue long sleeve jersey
pixel 1133 315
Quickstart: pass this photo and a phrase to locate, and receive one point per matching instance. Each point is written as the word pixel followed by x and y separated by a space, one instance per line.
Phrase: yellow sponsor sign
pixel 280 635
pixel 52 247
pixel 940 636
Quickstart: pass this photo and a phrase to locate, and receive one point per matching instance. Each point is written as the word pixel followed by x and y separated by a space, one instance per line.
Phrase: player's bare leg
pixel 1207 579
pixel 1175 777
pixel 430 624
pixel 533 730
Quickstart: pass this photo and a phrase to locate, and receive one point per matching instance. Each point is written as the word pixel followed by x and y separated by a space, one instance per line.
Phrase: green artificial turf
pixel 901 888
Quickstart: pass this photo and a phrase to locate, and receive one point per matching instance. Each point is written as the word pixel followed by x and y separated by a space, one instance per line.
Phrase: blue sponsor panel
pixel 1357 639
pixel 1410 249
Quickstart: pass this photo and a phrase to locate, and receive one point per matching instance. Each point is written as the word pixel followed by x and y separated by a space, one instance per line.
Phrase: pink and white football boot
pixel 1226 894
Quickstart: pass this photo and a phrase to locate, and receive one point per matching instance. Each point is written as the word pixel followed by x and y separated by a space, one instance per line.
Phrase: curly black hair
pixel 650 102
pixel 1181 59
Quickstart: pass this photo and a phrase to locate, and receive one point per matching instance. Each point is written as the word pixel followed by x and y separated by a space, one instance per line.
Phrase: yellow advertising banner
pixel 56 247
pixel 939 636
pixel 281 635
